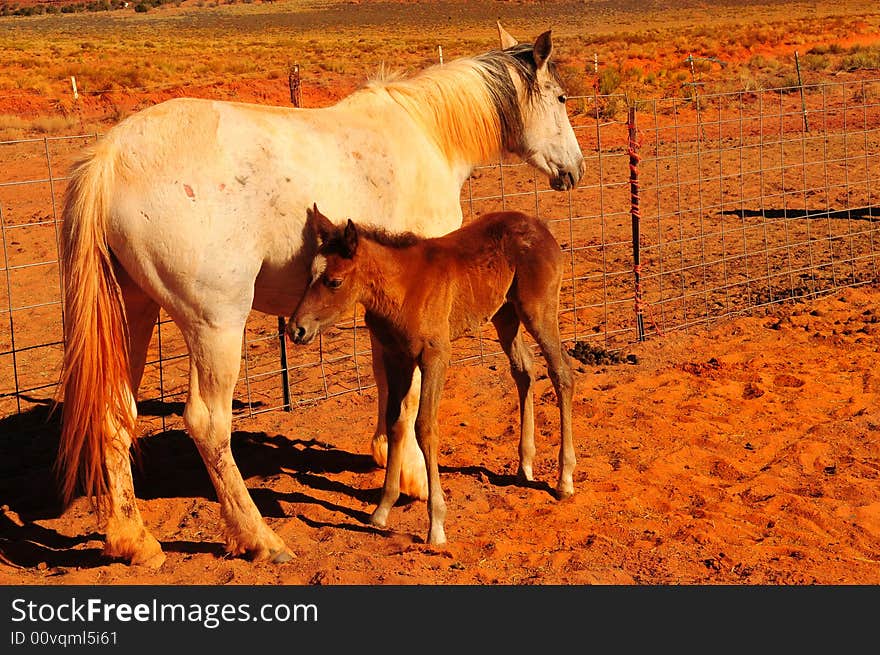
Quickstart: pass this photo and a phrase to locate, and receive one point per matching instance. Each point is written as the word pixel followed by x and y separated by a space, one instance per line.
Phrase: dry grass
pixel 641 53
pixel 16 127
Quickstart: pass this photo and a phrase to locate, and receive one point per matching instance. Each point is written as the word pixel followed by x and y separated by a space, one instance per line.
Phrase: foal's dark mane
pixel 397 240
pixel 386 238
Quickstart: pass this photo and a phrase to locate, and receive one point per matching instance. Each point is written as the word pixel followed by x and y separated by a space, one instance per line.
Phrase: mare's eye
pixel 332 283
pixel 563 98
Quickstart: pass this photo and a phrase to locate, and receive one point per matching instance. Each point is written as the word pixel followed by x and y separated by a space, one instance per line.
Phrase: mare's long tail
pixel 95 378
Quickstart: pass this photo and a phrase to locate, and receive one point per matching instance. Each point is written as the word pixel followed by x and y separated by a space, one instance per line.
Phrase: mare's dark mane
pixel 496 75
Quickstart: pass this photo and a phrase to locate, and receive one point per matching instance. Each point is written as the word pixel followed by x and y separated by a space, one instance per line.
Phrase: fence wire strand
pixel 728 224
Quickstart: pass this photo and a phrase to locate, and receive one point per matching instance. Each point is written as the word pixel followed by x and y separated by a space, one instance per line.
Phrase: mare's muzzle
pixel 567 177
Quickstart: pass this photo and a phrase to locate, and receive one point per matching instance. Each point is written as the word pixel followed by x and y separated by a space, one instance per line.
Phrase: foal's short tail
pixel 95 378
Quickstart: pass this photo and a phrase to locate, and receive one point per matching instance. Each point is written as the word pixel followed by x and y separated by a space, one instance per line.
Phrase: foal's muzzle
pixel 300 334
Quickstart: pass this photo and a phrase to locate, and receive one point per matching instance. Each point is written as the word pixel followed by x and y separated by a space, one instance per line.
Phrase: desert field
pixel 738 444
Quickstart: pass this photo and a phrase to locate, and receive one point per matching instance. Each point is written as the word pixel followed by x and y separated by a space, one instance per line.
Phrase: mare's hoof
pixel 524 477
pixel 146 552
pixel 151 562
pixel 378 522
pixel 280 556
pixel 562 494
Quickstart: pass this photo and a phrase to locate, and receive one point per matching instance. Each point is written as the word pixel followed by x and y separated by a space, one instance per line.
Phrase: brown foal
pixel 419 296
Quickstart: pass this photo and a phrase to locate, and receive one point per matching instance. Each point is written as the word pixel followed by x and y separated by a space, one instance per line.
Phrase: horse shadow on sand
pixel 168 465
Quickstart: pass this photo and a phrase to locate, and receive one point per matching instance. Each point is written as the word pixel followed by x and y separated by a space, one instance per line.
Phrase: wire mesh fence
pixel 690 210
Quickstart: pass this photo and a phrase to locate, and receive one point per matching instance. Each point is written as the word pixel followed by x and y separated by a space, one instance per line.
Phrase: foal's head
pixel 334 285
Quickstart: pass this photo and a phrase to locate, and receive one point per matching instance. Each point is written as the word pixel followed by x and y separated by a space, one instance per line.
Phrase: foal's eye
pixel 332 283
pixel 563 98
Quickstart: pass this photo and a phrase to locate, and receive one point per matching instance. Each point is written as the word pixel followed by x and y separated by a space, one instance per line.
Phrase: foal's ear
pixel 504 38
pixel 543 49
pixel 319 224
pixel 350 239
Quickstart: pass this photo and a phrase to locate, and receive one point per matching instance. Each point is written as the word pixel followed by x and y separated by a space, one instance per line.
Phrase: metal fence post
pixel 797 65
pixel 633 149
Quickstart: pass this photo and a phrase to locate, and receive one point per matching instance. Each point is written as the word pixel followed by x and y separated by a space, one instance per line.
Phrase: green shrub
pixel 609 81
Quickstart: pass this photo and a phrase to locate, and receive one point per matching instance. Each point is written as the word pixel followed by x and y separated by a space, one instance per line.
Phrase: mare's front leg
pixel 399 372
pixel 413 479
pixel 215 356
pixel 434 363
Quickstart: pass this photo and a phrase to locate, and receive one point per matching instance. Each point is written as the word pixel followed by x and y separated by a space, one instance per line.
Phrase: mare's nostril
pixel 300 333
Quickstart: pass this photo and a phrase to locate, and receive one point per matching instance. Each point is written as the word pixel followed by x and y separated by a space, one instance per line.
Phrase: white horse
pixel 199 207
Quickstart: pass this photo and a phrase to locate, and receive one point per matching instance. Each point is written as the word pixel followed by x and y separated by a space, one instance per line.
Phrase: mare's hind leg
pixel 127 537
pixel 413 476
pixel 215 355
pixel 507 325
pixel 539 313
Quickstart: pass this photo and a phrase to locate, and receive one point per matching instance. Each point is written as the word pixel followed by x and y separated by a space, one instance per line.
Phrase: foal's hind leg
pixel 433 364
pixel 507 324
pixel 126 536
pixel 215 354
pixel 540 317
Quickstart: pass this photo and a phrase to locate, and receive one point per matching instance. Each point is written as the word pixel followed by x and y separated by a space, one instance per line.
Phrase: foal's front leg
pixel 546 333
pixel 507 324
pixel 413 480
pixel 433 366
pixel 399 373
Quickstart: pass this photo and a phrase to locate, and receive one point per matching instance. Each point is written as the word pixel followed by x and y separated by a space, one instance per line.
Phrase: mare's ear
pixel 350 239
pixel 504 38
pixel 543 49
pixel 319 224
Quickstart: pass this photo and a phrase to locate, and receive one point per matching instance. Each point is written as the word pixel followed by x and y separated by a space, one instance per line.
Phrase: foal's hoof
pixel 280 556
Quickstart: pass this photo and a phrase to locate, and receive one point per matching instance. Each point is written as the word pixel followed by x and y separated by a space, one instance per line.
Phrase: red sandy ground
pixel 745 454
pixel 742 454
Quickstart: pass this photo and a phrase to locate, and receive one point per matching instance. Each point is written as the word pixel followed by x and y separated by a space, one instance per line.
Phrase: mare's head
pixel 545 139
pixel 334 285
